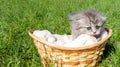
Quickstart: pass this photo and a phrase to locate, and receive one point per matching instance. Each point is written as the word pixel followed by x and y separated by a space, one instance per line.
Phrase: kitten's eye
pixel 78 28
pixel 88 28
pixel 77 19
pixel 97 27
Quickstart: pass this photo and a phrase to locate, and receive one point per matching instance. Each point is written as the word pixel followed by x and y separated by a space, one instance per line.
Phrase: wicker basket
pixel 57 56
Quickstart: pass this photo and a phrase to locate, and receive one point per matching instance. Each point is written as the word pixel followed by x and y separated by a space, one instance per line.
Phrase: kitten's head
pixel 87 22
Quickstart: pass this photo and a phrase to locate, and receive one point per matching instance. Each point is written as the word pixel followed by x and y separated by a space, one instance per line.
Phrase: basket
pixel 58 56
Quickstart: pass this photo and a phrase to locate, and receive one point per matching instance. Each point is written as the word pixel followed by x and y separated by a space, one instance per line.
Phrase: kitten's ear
pixel 71 16
pixel 103 18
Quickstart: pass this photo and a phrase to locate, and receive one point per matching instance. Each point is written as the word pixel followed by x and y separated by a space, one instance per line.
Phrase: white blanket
pixel 64 40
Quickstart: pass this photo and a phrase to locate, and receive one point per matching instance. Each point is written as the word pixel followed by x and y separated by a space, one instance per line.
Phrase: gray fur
pixel 86 22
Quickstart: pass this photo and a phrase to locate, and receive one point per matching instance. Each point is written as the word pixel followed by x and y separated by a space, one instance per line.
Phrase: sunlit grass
pixel 17 17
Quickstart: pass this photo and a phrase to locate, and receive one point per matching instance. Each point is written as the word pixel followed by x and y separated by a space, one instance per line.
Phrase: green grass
pixel 17 17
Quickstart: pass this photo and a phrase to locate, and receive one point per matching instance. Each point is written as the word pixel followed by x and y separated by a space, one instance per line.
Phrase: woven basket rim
pixel 72 48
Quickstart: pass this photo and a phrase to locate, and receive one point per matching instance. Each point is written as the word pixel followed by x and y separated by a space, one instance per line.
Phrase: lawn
pixel 17 17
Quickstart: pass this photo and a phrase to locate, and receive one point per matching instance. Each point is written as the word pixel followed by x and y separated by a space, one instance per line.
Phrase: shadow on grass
pixel 108 50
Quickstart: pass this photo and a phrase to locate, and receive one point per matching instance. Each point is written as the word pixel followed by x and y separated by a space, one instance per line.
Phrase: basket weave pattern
pixel 54 56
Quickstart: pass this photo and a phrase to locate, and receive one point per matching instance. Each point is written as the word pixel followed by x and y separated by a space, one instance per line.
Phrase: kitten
pixel 87 22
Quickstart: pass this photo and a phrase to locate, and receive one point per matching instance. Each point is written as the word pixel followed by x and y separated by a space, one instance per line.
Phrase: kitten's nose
pixel 94 32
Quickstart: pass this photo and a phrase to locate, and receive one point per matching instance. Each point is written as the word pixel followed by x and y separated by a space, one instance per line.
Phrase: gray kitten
pixel 87 22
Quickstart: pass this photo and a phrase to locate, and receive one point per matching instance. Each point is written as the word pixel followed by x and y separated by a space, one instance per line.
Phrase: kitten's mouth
pixel 93 34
